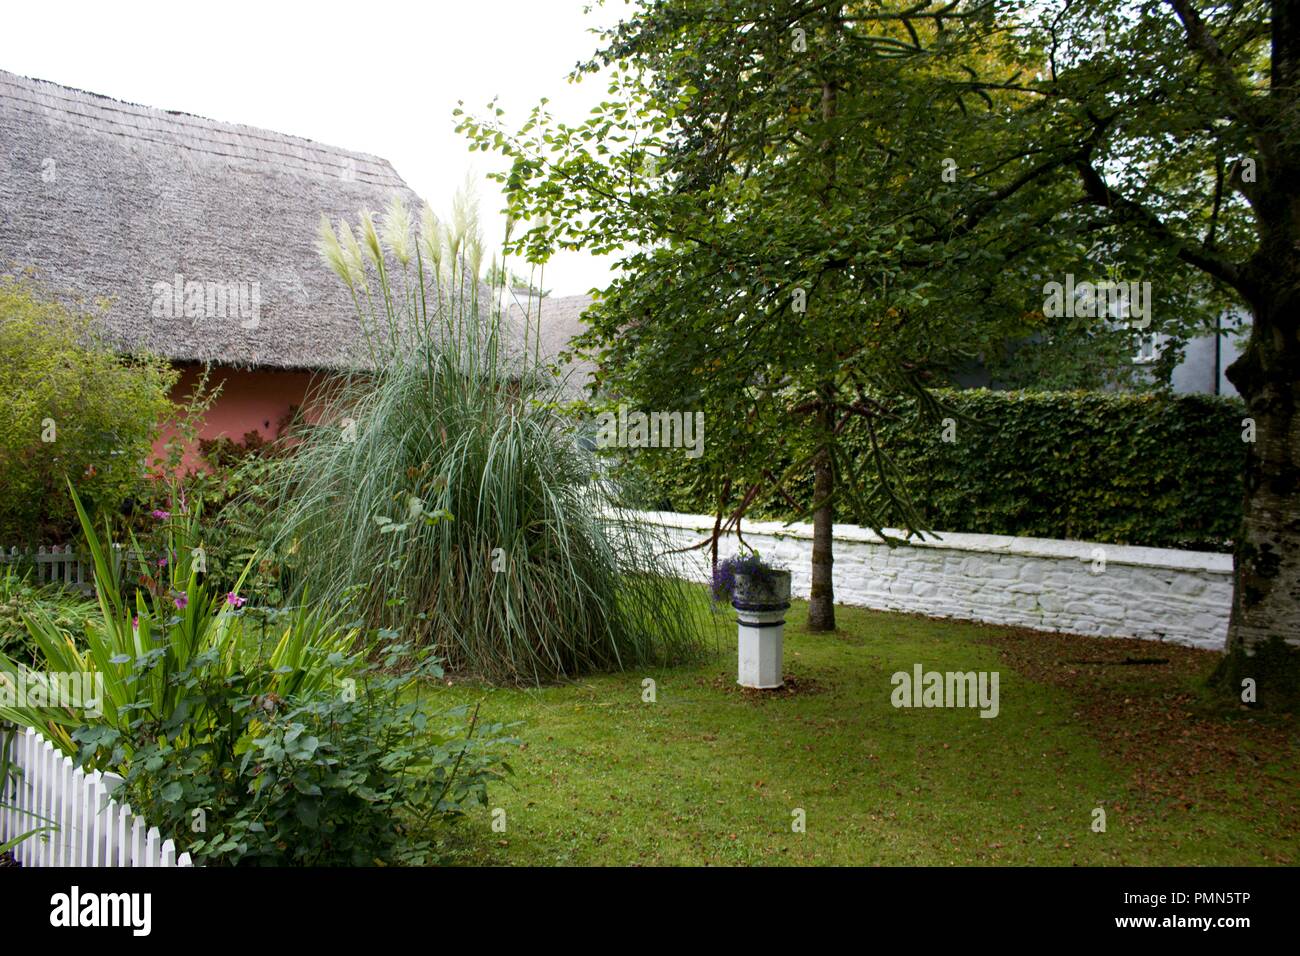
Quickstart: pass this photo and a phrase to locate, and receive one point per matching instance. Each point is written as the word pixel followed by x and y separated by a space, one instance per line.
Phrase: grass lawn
pixel 711 774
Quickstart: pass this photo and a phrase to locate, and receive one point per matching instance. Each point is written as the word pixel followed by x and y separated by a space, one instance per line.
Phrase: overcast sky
pixel 377 76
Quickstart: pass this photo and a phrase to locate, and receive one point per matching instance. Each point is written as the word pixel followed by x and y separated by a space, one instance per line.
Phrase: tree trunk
pixel 1266 595
pixel 821 599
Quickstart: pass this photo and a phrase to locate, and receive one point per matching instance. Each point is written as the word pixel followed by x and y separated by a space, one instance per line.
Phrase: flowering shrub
pixel 224 505
pixel 308 745
pixel 169 623
pixel 350 774
pixel 749 564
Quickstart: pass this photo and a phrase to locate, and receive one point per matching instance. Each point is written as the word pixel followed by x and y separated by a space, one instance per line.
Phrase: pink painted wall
pixel 250 400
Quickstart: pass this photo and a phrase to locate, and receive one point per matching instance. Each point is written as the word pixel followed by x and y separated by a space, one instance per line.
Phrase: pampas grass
pixel 459 506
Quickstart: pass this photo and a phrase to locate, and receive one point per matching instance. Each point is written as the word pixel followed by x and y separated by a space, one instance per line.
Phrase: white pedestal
pixel 761 636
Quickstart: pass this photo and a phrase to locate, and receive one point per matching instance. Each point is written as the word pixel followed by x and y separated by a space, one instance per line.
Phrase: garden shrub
pixel 163 612
pixel 229 501
pixel 241 522
pixel 1152 469
pixel 70 408
pixel 355 774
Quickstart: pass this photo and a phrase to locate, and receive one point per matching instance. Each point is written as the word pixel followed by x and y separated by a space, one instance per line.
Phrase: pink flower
pixel 161 515
pixel 180 602
pixel 234 600
pixel 162 562
pixel 135 623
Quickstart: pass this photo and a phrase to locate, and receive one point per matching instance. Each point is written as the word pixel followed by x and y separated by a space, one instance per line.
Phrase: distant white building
pixel 1204 368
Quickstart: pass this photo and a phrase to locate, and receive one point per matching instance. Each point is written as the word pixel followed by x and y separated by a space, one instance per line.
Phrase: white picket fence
pixel 92 829
pixel 63 564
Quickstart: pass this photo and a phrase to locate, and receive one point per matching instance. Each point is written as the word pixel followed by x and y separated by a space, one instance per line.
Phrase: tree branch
pixel 1127 211
pixel 1200 38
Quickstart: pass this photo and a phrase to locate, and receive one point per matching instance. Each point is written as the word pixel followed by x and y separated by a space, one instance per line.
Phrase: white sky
pixel 377 76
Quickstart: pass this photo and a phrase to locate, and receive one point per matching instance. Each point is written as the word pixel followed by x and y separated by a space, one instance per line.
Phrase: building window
pixel 1147 351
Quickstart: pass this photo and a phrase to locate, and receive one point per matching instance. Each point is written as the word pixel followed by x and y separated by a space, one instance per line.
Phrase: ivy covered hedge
pixel 1151 469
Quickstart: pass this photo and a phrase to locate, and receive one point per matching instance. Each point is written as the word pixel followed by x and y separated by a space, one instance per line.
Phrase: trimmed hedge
pixel 1151 469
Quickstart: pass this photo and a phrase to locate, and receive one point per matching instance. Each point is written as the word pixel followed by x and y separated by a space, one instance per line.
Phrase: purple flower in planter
pixel 234 600
pixel 751 565
pixel 161 515
pixel 724 580
pixel 180 602
pixel 162 562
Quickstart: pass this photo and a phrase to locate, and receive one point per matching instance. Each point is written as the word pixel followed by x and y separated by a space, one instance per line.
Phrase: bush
pixel 351 775
pixel 168 617
pixel 1150 469
pixel 227 506
pixel 70 409
pixel 240 521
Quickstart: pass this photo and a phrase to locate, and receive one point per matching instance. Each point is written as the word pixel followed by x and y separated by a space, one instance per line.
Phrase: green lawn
pixel 711 774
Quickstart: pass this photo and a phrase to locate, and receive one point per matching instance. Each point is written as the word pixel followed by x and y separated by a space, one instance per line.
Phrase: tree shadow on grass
pixel 1148 708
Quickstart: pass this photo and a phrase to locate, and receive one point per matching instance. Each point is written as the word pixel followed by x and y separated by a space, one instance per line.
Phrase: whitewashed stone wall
pixel 1051 585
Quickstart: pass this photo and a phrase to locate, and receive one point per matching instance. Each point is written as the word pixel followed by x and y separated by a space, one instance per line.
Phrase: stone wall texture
pixel 1073 586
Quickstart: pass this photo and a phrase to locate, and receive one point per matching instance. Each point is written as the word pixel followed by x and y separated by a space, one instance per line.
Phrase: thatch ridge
pixel 381 173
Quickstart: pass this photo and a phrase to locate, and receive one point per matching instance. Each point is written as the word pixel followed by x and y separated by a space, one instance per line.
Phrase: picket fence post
pixel 92 828
pixel 64 565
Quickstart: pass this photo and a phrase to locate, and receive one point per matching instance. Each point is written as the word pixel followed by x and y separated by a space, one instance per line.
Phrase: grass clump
pixel 445 493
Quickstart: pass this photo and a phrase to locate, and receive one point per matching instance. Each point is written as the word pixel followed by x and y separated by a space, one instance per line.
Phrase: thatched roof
pixel 559 320
pixel 110 199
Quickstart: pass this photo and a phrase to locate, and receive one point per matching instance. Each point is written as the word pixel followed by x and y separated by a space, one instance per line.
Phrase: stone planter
pixel 760 614
pixel 770 593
